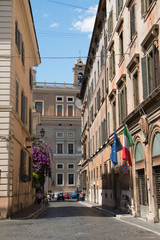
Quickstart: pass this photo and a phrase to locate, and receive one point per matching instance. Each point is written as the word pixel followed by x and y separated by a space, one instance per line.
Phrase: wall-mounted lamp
pixel 42 132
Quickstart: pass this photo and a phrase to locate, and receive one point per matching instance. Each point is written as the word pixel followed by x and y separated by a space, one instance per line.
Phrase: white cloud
pixel 45 15
pixel 53 25
pixel 78 10
pixel 85 23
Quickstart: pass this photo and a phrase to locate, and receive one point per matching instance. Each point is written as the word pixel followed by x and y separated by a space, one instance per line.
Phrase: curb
pixel 34 214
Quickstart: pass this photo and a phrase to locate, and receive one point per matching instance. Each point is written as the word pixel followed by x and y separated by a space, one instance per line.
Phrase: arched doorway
pixel 142 186
pixel 156 169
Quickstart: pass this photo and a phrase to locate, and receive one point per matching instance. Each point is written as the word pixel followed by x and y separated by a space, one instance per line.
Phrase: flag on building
pixel 116 147
pixel 53 184
pixel 127 143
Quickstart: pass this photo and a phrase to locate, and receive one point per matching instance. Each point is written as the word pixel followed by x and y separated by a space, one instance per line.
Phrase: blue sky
pixel 63 30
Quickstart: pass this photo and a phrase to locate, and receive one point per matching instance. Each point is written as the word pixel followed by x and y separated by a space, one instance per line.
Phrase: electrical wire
pixel 69 5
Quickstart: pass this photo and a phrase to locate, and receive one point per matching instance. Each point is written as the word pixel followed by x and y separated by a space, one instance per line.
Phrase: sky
pixel 64 29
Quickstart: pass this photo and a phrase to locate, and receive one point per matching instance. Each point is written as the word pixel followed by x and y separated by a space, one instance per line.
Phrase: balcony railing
pixel 55 85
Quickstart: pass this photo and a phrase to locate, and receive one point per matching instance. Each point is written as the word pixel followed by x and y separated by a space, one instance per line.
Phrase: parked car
pixel 75 195
pixel 60 197
pixel 66 195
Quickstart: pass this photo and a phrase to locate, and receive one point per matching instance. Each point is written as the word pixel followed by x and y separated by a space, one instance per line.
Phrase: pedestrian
pixel 39 196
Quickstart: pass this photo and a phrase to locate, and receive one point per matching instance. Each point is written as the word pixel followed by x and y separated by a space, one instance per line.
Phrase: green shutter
pixel 145 76
pixel 119 108
pixel 142 7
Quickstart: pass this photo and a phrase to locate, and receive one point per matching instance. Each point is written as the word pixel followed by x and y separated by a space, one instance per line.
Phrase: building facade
pixel 122 85
pixel 61 121
pixel 18 42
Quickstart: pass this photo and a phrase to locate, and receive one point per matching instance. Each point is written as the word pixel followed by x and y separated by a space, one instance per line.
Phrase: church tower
pixel 78 70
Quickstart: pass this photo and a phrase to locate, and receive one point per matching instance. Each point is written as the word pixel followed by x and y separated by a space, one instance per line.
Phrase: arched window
pixel 156 145
pixel 80 77
pixel 139 152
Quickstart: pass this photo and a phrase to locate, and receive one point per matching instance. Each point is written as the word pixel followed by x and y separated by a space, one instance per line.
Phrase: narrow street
pixel 71 220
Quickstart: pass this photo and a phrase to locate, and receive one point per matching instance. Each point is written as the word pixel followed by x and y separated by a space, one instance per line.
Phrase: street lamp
pixel 42 132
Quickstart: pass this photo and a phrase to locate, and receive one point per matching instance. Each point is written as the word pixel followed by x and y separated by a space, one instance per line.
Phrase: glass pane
pixel 156 145
pixel 139 152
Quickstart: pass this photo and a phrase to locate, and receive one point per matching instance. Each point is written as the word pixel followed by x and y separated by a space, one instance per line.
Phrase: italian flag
pixel 127 142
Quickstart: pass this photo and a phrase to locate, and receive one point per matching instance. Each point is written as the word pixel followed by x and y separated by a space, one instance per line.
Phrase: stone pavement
pixel 31 212
pixel 126 218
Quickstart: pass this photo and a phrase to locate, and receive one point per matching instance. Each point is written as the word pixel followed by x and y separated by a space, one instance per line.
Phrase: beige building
pixel 61 122
pixel 17 43
pixel 122 85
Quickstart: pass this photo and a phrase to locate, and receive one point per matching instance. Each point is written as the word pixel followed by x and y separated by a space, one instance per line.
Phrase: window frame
pixel 62 179
pixel 68 179
pixel 62 164
pixel 57 148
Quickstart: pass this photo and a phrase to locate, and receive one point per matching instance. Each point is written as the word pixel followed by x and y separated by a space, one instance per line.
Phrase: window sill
pixel 147 13
pixel 121 61
pixel 133 40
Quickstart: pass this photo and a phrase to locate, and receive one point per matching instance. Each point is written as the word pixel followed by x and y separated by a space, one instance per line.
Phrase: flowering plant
pixel 42 158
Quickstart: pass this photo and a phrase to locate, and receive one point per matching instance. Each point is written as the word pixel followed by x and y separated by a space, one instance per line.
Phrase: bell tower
pixel 78 70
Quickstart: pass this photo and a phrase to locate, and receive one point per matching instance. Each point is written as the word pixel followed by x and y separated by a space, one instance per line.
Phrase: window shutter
pixel 110 67
pixel 17 96
pixel 117 8
pixel 119 108
pixel 113 63
pixel 30 169
pixel 30 121
pixel 145 76
pixel 142 7
pixel 157 66
pixel 132 21
pixel 108 124
pixel 125 101
pixel 26 109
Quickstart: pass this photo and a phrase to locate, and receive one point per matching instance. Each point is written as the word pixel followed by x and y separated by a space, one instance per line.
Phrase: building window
pixel 70 110
pixel 70 134
pixel 24 107
pixel 60 179
pixel 30 79
pixel 39 107
pixel 91 114
pixel 122 99
pixel 70 99
pixel 70 148
pixel 80 78
pixel 22 164
pixel 112 64
pixel 135 89
pixel 71 177
pixel 98 68
pixel 59 148
pixel 121 52
pixel 139 152
pixel 30 121
pixel 102 56
pixel 114 114
pixel 156 143
pixel 132 21
pixel 110 24
pixel 30 169
pixel 71 165
pixel 17 96
pixel 19 42
pixel 59 134
pixel 98 98
pixel 119 5
pixel 59 166
pixel 150 71
pixel 59 99
pixel 145 5
pixel 59 110
pixel 97 172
